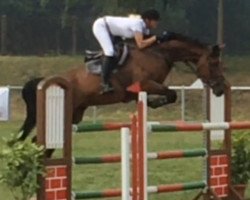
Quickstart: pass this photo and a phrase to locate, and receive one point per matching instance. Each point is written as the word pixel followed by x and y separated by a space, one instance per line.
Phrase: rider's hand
pixel 164 37
pixel 160 39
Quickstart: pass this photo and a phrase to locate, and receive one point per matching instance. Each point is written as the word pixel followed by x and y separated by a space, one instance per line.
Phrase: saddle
pixel 93 59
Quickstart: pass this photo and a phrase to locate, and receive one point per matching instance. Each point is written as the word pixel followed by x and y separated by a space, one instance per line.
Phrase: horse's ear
pixel 216 50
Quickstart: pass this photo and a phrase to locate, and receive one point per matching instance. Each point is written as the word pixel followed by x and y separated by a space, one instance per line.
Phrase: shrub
pixel 21 165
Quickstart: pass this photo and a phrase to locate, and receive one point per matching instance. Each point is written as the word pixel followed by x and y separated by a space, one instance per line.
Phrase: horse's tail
pixel 29 97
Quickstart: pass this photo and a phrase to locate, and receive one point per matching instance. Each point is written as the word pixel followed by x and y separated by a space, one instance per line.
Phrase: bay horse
pixel 148 68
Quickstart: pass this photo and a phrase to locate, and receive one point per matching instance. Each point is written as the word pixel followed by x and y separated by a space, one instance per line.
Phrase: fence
pixel 182 89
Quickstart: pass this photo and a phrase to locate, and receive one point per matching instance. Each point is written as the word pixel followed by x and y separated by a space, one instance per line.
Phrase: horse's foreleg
pixel 167 95
pixel 78 114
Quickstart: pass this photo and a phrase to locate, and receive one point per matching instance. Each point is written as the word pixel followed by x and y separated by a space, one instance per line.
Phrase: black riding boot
pixel 108 66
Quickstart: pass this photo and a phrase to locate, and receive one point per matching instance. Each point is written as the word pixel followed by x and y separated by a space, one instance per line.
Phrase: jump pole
pixel 123 192
pixel 116 158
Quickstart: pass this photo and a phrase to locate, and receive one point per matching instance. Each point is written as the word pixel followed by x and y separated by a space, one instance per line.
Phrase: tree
pixel 237 26
pixel 45 26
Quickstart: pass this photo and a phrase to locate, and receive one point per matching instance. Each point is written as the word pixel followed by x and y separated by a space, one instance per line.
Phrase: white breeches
pixel 102 35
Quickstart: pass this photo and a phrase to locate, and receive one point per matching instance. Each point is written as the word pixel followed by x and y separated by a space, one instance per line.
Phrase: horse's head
pixel 209 70
pixel 179 48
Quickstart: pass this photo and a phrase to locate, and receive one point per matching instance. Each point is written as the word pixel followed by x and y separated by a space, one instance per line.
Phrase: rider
pixel 107 27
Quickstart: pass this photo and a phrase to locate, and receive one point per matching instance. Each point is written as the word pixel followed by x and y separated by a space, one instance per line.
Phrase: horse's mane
pixel 173 36
pixel 184 38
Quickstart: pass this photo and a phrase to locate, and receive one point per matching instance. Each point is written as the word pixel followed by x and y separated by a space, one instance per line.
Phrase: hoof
pixel 156 103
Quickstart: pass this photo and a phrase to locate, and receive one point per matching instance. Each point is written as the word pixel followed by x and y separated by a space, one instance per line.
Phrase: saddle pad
pixel 94 61
pixel 94 66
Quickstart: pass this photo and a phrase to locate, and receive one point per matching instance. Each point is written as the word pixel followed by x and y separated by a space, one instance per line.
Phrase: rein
pixel 192 67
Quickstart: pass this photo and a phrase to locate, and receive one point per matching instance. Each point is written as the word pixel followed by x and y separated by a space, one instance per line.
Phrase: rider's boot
pixel 108 62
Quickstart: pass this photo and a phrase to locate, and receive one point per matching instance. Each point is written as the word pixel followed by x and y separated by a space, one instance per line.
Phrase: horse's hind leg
pixel 48 152
pixel 29 122
pixel 167 95
pixel 29 97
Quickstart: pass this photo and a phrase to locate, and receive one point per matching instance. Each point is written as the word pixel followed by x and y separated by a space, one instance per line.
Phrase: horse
pixel 148 68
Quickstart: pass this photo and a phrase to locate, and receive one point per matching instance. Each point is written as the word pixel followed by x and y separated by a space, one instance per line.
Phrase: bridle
pixel 210 82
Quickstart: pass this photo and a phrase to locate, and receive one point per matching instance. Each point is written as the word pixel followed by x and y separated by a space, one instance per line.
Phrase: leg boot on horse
pixel 107 68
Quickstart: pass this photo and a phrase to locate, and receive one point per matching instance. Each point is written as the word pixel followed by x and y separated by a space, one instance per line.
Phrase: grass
pixel 17 70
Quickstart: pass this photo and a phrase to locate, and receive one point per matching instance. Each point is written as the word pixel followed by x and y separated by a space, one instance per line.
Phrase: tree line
pixel 65 26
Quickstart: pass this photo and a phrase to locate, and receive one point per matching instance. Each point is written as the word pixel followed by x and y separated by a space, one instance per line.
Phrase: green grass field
pixel 17 70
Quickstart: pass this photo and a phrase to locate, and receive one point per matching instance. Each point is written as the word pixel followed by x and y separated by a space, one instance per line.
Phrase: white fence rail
pixel 182 90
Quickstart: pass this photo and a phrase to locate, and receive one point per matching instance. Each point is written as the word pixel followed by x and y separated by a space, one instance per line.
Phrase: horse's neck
pixel 183 51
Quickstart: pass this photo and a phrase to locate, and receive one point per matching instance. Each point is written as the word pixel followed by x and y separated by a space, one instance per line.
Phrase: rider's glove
pixel 164 37
pixel 160 39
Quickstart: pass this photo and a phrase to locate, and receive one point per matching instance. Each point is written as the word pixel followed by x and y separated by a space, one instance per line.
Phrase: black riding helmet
pixel 151 14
